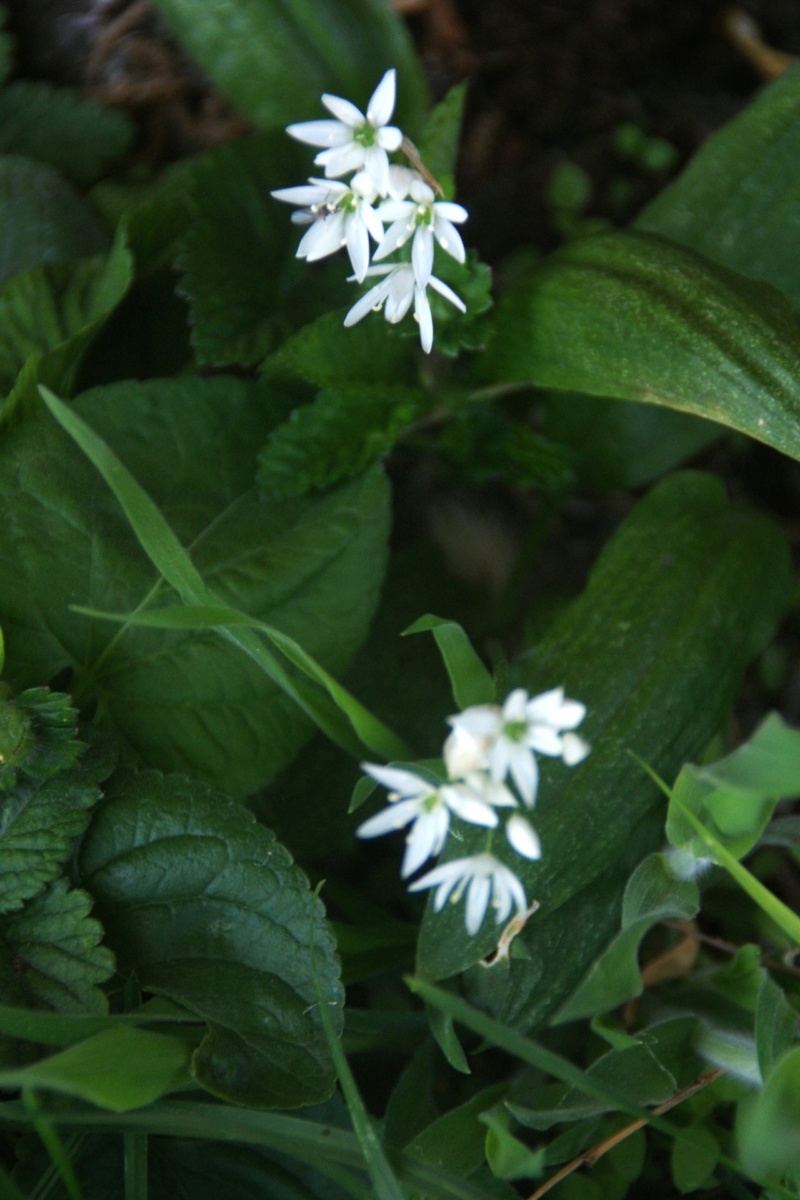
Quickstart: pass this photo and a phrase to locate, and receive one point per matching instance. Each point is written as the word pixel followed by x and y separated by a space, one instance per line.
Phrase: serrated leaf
pixel 336 436
pixel 39 822
pixel 55 126
pixel 37 736
pixel 485 445
pixel 326 354
pixel 246 289
pixel 274 60
pixel 228 929
pixel 184 700
pixel 52 956
pixel 42 218
pixel 677 584
pixel 738 200
pixel 633 317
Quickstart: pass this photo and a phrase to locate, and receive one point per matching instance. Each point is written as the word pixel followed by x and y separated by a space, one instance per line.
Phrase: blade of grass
pixel 135 1165
pixel 52 1143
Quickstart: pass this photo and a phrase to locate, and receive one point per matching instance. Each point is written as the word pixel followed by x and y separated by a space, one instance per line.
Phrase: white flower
pixel 483 877
pixel 418 802
pixel 523 838
pixel 353 141
pixel 508 738
pixel 425 219
pixel 339 215
pixel 394 294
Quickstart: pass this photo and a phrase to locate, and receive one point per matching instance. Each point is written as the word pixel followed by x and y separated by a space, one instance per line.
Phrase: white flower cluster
pixel 487 747
pixel 378 193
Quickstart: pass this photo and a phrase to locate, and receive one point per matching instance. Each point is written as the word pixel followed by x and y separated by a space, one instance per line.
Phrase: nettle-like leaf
pixel 738 200
pixel 208 909
pixel 51 956
pixel 634 317
pixel 336 436
pixel 54 125
pixel 246 289
pixel 683 595
pixel 37 735
pixel 43 219
pixel 327 355
pixel 276 59
pixel 184 700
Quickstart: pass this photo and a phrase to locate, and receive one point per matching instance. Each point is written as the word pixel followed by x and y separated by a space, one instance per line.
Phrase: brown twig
pixel 690 930
pixel 589 1157
pixel 744 35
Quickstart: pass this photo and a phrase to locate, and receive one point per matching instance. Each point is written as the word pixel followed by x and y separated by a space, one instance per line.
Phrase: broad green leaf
pixel 52 957
pixel 228 929
pixel 42 218
pixel 683 595
pixel 50 315
pixel 736 797
pixel 652 895
pixel 633 317
pixel 118 1069
pixel 776 1021
pixel 767 1123
pixel 326 354
pixel 695 1154
pixel 338 435
pixel 275 59
pixel 737 202
pixel 182 700
pixel 246 289
pixel 471 681
pixel 55 126
pixel 508 1157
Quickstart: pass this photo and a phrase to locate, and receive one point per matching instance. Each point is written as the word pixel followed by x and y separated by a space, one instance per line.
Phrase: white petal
pixel 390 819
pixel 393 239
pixel 377 164
pixel 496 794
pixel 322 238
pixel 448 293
pixel 425 839
pixel 363 185
pixel 341 159
pixel 469 806
pixel 400 180
pixel 525 773
pixel 320 133
pixel 372 299
pixel 464 753
pixel 450 211
pixel 306 194
pixel 422 257
pixel 523 838
pixel 574 749
pixel 544 740
pixel 547 707
pixel 422 311
pixel 390 138
pixel 477 902
pixel 400 293
pixel 344 111
pixel 396 210
pixel 514 706
pixel 398 780
pixel 372 222
pixel 481 720
pixel 381 104
pixel 449 239
pixel 446 873
pixel 357 245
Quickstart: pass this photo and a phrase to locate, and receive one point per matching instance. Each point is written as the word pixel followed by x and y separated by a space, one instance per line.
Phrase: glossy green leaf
pixel 634 317
pixel 508 1157
pixel 77 137
pixel 42 218
pixel 736 797
pixel 767 1123
pixel 652 895
pixel 655 648
pixel 184 701
pixel 472 683
pixel 695 1154
pixel 117 1069
pixel 275 59
pixel 738 200
pixel 227 930
pixel 51 954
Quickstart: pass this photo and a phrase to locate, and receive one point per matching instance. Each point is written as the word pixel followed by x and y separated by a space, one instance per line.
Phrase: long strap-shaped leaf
pixel 334 710
pixel 636 317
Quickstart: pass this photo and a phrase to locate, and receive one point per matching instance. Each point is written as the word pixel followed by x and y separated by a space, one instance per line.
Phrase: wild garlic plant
pixel 391 204
pixel 490 746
